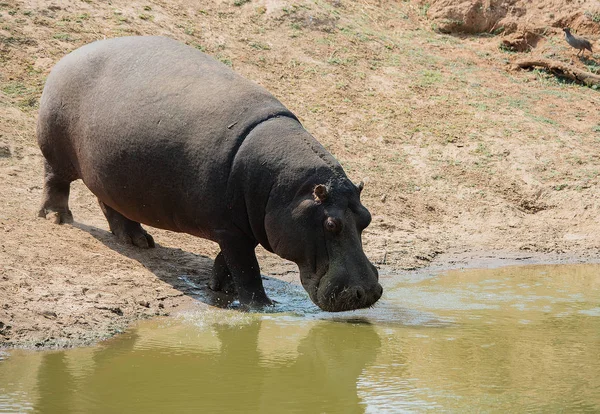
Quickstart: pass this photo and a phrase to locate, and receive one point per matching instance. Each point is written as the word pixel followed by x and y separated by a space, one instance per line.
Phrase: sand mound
pixel 509 16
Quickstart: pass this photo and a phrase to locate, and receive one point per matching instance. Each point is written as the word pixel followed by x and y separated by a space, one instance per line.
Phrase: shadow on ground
pixel 187 272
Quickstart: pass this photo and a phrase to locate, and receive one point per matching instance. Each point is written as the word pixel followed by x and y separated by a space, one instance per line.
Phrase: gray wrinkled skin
pixel 165 135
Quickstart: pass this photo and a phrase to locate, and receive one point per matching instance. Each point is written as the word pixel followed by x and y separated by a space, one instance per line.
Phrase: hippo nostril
pixel 360 293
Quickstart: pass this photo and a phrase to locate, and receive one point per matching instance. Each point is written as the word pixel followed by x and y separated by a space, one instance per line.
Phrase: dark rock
pixel 5 151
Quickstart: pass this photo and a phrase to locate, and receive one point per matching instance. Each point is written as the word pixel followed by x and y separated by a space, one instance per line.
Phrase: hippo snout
pixel 339 297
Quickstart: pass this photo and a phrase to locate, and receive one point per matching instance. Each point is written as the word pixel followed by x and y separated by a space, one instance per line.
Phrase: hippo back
pixel 152 127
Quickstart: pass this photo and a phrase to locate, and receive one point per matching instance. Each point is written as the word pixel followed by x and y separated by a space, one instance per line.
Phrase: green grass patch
pixel 479 106
pixel 560 187
pixel 63 36
pixel 430 77
pixel 595 17
pixel 259 46
pixel 592 66
pixel 483 149
pixel 199 47
pixel 516 103
pixel 336 60
pixel 25 97
pixel 225 60
pixel 544 120
pixel 14 89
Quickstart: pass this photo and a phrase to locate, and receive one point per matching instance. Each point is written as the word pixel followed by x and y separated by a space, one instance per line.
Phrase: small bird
pixel 577 42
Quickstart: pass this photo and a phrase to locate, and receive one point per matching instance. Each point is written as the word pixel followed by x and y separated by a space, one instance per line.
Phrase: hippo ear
pixel 320 193
pixel 360 187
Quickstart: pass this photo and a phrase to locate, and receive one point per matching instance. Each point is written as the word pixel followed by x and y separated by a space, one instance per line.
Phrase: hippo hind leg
pixel 55 201
pixel 221 280
pixel 128 231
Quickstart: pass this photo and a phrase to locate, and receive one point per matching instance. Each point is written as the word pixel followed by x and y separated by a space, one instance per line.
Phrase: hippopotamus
pixel 164 135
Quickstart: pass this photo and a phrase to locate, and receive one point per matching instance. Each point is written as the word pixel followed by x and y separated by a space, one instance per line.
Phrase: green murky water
pixel 512 339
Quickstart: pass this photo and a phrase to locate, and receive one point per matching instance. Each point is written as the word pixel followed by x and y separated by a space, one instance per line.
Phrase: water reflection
pixel 324 376
pixel 240 375
pixel 55 384
pixel 517 339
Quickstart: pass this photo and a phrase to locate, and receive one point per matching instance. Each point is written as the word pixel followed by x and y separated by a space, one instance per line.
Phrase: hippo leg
pixel 55 200
pixel 128 231
pixel 242 263
pixel 221 280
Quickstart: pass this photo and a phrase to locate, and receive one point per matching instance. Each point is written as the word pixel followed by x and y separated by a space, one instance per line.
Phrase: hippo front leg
pixel 240 259
pixel 221 280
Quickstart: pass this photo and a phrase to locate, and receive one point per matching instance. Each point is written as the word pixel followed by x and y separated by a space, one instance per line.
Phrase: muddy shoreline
pixel 491 260
pixel 53 329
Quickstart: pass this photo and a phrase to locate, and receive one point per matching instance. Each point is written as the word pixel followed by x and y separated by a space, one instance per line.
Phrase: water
pixel 508 340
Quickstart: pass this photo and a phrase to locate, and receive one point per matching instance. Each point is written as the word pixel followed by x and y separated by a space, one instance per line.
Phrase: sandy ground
pixel 461 155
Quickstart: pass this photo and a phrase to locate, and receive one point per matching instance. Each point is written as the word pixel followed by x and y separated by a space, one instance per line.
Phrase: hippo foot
pixel 255 301
pixel 136 237
pixel 216 285
pixel 127 231
pixel 57 217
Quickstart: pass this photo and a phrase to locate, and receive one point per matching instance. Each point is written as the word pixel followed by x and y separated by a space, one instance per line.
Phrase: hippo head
pixel 321 232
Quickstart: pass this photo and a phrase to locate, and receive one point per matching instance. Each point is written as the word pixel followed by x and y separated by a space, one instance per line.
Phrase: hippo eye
pixel 331 225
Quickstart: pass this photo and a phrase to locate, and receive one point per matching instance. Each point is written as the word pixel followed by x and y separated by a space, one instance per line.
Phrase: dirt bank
pixel 459 153
pixel 509 16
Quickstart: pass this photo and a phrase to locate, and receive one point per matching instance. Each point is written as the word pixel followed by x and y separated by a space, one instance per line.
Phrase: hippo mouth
pixel 350 298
